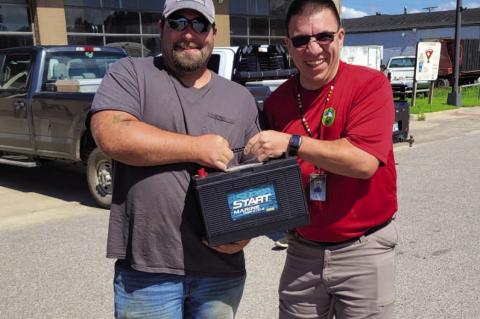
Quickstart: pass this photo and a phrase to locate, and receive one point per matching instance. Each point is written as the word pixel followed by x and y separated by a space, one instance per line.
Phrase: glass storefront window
pixel 85 40
pixel 83 3
pixel 258 7
pixel 153 5
pixel 278 8
pixel 111 4
pixel 150 22
pixel 277 27
pixel 122 22
pixel 130 24
pixel 84 20
pixel 15 1
pixel 277 41
pixel 130 4
pixel 258 26
pixel 238 7
pixel 9 41
pixel 15 18
pixel 238 25
pixel 238 41
pixel 257 21
pixel 250 7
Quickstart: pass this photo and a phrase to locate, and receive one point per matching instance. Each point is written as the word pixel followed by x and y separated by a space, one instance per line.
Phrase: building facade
pixel 131 24
pixel 399 34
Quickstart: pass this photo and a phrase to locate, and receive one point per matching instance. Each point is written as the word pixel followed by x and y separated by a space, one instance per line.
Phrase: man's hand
pixel 213 151
pixel 267 144
pixel 231 248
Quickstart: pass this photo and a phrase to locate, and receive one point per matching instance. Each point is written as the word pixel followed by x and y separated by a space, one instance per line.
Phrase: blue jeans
pixel 277 235
pixel 148 296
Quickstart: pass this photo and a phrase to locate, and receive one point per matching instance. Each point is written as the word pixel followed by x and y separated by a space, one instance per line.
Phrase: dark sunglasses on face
pixel 198 24
pixel 321 38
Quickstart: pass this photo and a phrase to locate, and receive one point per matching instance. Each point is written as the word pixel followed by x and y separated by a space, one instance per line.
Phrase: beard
pixel 190 62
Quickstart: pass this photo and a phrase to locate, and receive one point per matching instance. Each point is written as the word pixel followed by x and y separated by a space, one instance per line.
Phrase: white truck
pixel 401 70
pixel 260 68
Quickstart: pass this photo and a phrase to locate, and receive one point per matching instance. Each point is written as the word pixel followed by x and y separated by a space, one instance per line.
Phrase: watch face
pixel 294 145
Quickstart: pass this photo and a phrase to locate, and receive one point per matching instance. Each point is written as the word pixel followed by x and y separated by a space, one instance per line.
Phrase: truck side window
pixel 14 71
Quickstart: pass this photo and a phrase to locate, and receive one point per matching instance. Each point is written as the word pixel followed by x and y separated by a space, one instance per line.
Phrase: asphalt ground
pixel 52 237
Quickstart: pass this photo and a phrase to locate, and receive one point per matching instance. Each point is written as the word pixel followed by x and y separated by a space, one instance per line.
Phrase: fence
pixel 470 94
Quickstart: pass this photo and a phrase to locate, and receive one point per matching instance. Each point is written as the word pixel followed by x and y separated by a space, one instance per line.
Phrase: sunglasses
pixel 198 24
pixel 322 38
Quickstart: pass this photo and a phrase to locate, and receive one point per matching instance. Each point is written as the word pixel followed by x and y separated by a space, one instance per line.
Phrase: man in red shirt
pixel 337 118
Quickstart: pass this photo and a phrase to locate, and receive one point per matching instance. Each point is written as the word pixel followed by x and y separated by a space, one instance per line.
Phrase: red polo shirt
pixel 364 114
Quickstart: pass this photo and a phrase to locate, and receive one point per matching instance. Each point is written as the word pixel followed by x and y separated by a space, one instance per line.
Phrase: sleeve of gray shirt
pixel 119 90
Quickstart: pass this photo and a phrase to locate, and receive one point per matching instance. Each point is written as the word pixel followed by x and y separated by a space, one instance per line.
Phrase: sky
pixel 360 8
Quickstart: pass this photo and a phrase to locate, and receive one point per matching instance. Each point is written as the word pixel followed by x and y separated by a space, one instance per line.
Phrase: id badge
pixel 318 187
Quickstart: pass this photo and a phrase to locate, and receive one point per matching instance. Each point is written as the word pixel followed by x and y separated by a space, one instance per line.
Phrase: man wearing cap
pixel 160 119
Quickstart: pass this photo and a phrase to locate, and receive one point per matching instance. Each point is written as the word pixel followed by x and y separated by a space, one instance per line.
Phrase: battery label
pixel 252 201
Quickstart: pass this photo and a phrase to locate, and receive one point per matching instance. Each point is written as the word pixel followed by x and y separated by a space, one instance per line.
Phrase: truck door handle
pixel 19 105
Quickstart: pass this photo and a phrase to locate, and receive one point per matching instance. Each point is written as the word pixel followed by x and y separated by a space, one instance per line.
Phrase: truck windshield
pixel 402 63
pixel 84 67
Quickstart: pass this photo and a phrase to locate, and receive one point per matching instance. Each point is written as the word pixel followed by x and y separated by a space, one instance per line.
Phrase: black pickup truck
pixel 45 94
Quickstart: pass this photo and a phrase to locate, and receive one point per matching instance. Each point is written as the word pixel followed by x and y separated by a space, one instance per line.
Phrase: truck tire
pixel 443 83
pixel 99 177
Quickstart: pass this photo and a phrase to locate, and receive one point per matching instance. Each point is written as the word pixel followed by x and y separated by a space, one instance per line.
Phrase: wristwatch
pixel 294 145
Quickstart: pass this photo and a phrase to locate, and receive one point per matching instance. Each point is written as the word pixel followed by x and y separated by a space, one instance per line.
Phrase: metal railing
pixel 470 93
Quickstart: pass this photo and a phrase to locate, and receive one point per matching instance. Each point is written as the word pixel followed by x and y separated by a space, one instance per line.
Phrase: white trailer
pixel 366 55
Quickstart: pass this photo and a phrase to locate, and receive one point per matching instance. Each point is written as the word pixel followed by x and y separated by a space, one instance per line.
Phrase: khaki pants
pixel 353 280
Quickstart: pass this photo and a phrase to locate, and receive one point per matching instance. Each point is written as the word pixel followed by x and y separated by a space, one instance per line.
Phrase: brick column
pixel 222 20
pixel 50 24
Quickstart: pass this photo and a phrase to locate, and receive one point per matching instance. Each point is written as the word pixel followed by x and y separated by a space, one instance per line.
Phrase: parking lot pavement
pixel 443 125
pixel 29 196
pixel 438 256
pixel 53 237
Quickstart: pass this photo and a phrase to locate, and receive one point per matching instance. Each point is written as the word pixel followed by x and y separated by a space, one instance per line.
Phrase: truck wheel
pixel 443 83
pixel 99 177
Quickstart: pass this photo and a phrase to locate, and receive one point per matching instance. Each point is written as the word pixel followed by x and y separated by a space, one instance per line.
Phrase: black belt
pixel 370 231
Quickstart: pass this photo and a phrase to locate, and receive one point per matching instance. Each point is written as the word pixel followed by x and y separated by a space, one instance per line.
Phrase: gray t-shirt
pixel 155 224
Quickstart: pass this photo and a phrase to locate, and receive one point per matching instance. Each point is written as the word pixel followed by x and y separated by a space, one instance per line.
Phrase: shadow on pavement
pixel 54 179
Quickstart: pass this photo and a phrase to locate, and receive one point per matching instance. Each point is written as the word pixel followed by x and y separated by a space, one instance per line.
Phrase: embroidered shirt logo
pixel 328 117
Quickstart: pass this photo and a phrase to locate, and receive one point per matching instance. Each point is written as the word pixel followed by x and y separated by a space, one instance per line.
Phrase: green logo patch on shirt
pixel 328 117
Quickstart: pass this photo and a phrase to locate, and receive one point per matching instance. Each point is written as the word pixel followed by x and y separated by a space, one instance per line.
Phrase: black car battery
pixel 251 200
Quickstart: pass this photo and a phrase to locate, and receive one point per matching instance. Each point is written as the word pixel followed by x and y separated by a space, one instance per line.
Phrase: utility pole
pixel 455 98
pixel 429 9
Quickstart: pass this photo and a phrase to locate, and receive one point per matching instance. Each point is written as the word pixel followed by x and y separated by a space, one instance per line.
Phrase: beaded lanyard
pixel 300 107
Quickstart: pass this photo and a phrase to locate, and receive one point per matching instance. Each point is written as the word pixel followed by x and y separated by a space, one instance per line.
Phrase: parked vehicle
pixel 469 61
pixel 401 71
pixel 260 68
pixel 366 55
pixel 45 94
